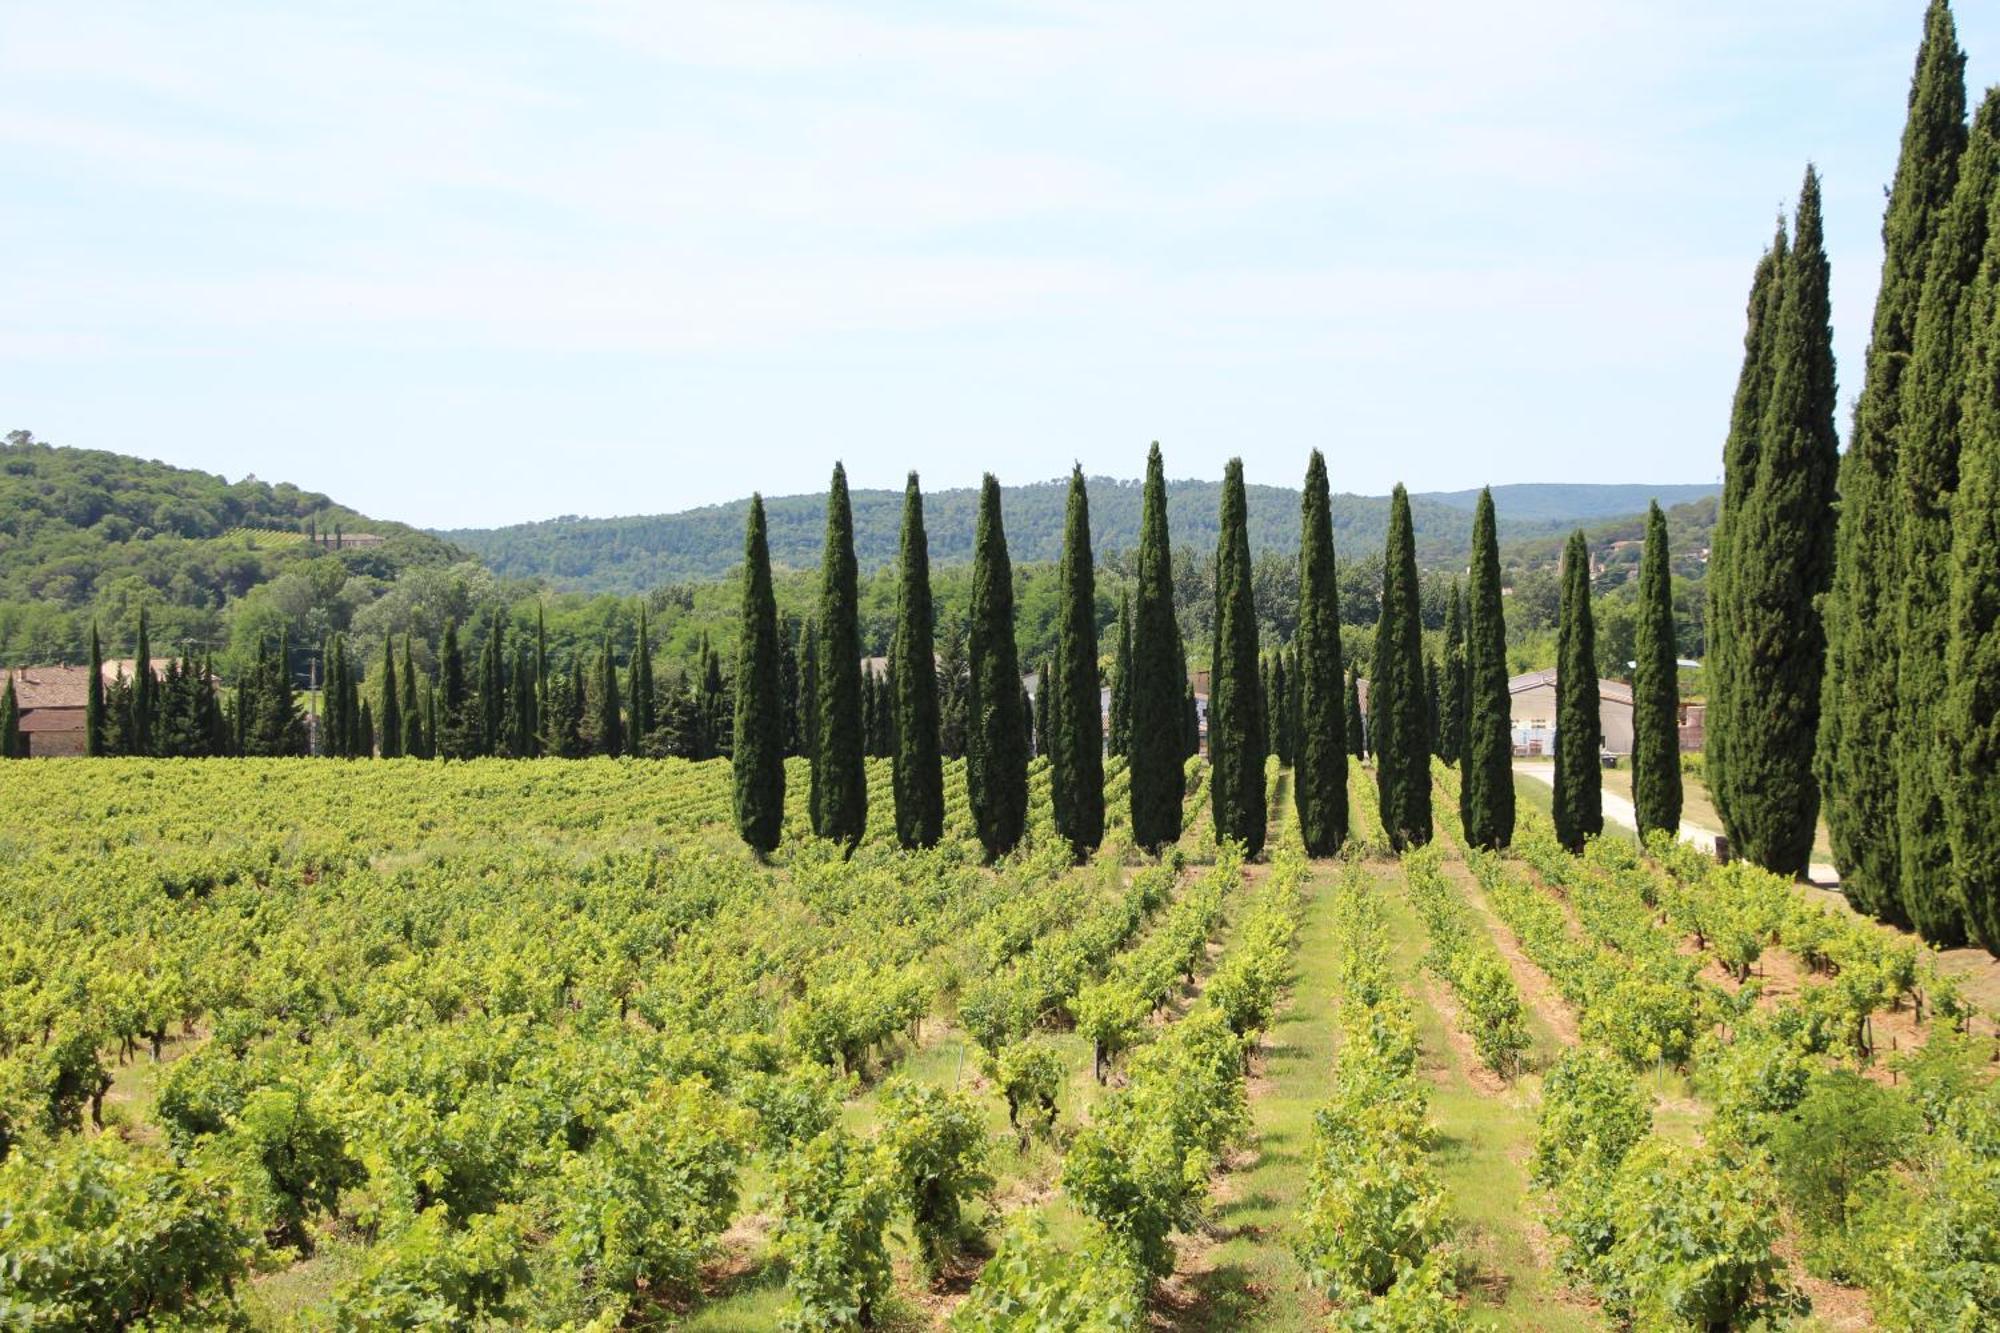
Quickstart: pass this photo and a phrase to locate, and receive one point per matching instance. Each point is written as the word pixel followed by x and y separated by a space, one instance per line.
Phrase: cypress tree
pixel 541 676
pixel 1236 730
pixel 1940 374
pixel 1357 725
pixel 1969 717
pixel 1119 739
pixel 1780 562
pixel 364 731
pixel 642 684
pixel 392 713
pixel 996 761
pixel 1397 706
pixel 1579 789
pixel 1157 686
pixel 610 716
pixel 1039 703
pixel 1862 762
pixel 1739 472
pixel 414 744
pixel 1451 689
pixel 93 707
pixel 1286 704
pixel 10 721
pixel 757 759
pixel 449 719
pixel 497 712
pixel 145 693
pixel 333 700
pixel 840 794
pixel 1656 744
pixel 1076 712
pixel 1327 714
pixel 1486 789
pixel 1433 702
pixel 809 714
pixel 1190 723
pixel 917 769
pixel 521 700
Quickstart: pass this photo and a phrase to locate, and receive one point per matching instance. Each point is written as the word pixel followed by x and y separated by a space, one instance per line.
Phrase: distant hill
pixel 86 534
pixel 1571 503
pixel 629 555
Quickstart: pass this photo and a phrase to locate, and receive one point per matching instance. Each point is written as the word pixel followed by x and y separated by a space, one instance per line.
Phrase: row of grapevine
pixel 1139 1171
pixel 1371 1231
pixel 1463 956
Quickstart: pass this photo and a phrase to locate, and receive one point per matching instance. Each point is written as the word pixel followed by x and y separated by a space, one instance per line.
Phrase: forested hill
pixel 627 555
pixel 86 534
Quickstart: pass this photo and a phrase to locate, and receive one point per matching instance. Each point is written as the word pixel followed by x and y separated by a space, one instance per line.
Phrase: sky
pixel 464 265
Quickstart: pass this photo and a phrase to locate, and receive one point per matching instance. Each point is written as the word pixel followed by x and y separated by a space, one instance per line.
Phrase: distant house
pixel 1532 705
pixel 54 699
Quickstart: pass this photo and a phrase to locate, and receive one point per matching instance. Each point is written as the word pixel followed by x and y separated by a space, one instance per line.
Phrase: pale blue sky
pixel 479 263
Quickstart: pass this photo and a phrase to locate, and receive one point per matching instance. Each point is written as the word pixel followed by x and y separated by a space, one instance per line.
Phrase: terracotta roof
pixel 66 686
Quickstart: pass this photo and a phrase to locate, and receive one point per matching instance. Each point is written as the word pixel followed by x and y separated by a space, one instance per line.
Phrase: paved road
pixel 1620 811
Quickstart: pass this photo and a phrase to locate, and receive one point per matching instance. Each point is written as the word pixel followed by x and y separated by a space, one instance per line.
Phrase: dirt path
pixel 1535 986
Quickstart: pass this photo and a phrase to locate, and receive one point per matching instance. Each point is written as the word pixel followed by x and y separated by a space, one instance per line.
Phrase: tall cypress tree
pixel 493 688
pixel 1861 759
pixel 145 692
pixel 1433 702
pixel 333 700
pixel 1486 788
pixel 610 716
pixel 1038 703
pixel 1236 730
pixel 1357 725
pixel 1157 685
pixel 809 714
pixel 450 720
pixel 413 723
pixel 642 683
pixel 1451 688
pixel 1119 739
pixel 522 723
pixel 1275 687
pixel 93 707
pixel 10 721
pixel 1075 710
pixel 392 713
pixel 841 779
pixel 1397 705
pixel 996 761
pixel 1940 373
pixel 1969 716
pixel 757 760
pixel 1781 559
pixel 1579 788
pixel 1656 744
pixel 1326 711
pixel 1739 473
pixel 918 767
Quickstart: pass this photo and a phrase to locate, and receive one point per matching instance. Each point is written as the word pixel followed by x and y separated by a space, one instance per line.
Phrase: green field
pixel 314 1044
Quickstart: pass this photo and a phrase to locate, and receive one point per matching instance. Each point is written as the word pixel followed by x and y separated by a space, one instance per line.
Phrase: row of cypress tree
pixel 1888 708
pixel 1300 701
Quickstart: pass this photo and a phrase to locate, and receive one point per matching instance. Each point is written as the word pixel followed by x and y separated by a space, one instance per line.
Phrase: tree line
pixel 1296 702
pixel 1854 599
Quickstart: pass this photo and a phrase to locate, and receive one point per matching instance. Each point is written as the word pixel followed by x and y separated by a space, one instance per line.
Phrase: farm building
pixel 53 699
pixel 1532 704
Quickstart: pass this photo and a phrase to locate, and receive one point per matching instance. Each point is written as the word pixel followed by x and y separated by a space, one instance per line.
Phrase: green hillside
pixel 632 554
pixel 88 534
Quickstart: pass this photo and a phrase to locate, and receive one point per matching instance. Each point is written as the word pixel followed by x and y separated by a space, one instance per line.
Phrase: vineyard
pixel 540 1044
